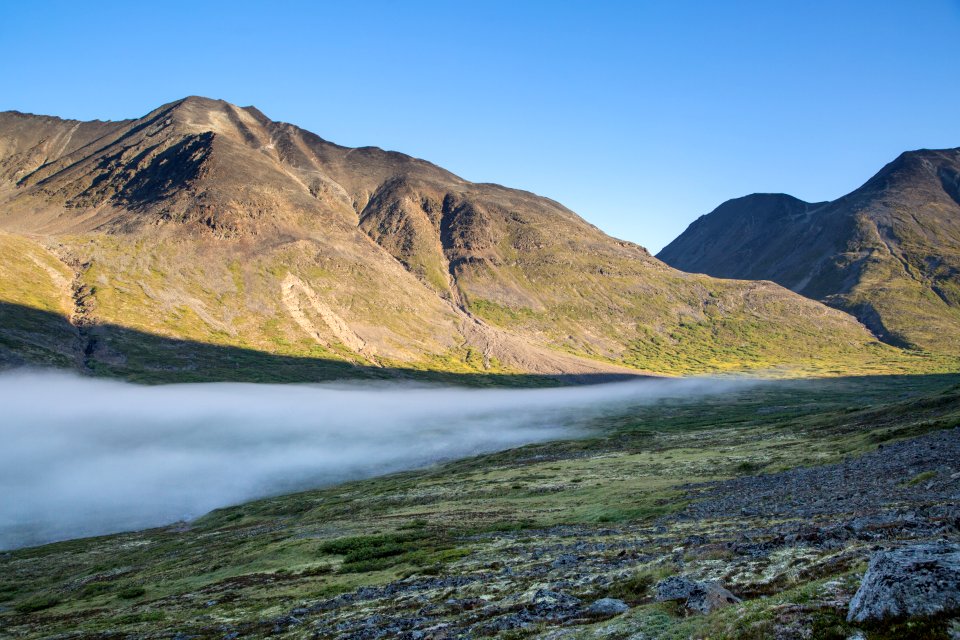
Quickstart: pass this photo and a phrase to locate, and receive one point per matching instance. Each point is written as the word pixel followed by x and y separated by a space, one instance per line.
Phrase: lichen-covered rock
pixel 710 596
pixel 702 597
pixel 674 588
pixel 920 580
pixel 606 607
pixel 547 604
pixel 563 560
pixel 550 598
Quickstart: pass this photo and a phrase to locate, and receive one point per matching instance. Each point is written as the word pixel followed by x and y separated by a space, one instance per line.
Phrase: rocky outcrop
pixel 707 597
pixel 701 597
pixel 877 487
pixel 607 607
pixel 915 581
pixel 674 588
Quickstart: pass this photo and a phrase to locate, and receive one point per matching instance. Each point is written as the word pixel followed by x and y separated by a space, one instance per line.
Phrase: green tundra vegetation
pixel 622 487
pixel 213 327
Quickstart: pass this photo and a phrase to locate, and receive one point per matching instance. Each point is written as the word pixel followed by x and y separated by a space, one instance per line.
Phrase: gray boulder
pixel 710 596
pixel 606 607
pixel 564 560
pixel 547 604
pixel 919 580
pixel 674 588
pixel 550 598
pixel 702 597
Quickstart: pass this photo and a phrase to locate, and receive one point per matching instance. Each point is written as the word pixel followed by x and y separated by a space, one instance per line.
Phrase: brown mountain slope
pixel 209 223
pixel 888 252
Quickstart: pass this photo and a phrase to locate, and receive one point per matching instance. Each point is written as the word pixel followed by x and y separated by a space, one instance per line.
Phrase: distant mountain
pixel 205 241
pixel 889 252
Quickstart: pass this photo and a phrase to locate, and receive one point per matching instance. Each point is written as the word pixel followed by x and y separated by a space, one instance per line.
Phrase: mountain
pixel 205 241
pixel 889 252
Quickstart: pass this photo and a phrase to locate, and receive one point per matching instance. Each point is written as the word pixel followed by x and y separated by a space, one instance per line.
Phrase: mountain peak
pixel 893 240
pixel 198 114
pixel 209 222
pixel 922 168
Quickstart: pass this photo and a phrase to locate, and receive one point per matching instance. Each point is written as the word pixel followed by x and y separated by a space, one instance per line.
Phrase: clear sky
pixel 640 116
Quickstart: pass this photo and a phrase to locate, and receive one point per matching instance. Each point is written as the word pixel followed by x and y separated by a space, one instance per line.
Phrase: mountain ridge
pixel 888 252
pixel 210 222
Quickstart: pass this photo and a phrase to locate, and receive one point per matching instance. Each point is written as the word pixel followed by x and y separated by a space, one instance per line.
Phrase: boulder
pixel 710 596
pixel 702 597
pixel 674 588
pixel 547 604
pixel 550 598
pixel 919 580
pixel 563 560
pixel 606 607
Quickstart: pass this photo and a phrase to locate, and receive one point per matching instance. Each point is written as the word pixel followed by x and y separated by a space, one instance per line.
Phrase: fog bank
pixel 82 456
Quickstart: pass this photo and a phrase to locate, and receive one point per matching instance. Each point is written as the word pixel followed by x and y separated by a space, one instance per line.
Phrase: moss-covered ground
pixel 470 542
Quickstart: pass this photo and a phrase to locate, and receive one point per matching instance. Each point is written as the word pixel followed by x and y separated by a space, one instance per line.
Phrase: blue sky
pixel 640 116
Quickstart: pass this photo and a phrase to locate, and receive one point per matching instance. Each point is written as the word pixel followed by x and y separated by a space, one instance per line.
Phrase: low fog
pixel 85 457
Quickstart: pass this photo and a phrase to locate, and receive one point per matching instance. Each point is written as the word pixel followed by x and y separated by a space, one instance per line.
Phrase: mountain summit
pixel 203 237
pixel 889 252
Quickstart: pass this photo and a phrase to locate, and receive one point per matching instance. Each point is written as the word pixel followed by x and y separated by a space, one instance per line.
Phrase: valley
pixel 779 491
pixel 206 243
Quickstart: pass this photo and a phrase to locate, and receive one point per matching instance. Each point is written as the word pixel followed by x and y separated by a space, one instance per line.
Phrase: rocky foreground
pixel 738 545
pixel 823 509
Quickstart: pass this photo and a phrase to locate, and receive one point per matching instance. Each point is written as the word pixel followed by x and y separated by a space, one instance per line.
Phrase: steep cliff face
pixel 203 223
pixel 888 252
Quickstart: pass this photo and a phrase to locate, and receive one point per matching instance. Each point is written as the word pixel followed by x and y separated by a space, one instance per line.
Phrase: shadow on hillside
pixel 35 338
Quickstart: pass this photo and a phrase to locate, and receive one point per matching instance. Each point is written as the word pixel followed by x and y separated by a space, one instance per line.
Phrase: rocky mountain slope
pixel 189 243
pixel 889 252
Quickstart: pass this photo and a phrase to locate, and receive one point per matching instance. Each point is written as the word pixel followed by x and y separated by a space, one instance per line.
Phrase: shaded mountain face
pixel 889 252
pixel 203 223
